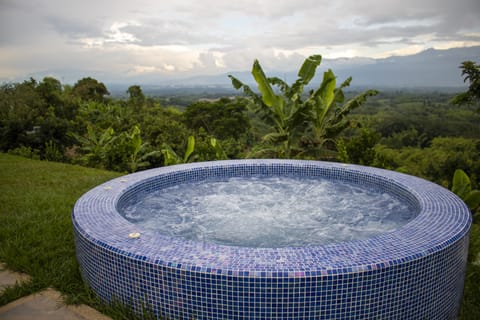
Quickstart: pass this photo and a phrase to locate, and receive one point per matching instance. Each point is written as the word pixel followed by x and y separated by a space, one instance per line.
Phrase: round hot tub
pixel 415 271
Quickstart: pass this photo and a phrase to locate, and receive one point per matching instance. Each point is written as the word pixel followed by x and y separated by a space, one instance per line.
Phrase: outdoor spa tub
pixel 413 272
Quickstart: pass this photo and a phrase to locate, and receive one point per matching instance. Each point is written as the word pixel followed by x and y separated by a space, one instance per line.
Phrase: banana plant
pixel 282 112
pixel 220 154
pixel 138 153
pixel 301 126
pixel 329 111
pixel 95 145
pixel 171 157
pixel 462 187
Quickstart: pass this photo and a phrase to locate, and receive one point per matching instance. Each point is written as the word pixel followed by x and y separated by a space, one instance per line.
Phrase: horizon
pixel 445 62
pixel 141 40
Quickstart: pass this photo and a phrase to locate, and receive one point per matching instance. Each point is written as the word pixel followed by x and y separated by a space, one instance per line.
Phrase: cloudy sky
pixel 134 39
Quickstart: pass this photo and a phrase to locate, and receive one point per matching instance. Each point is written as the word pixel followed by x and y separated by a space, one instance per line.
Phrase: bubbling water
pixel 270 212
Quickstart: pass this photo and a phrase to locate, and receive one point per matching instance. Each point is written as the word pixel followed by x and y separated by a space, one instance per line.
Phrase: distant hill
pixel 428 69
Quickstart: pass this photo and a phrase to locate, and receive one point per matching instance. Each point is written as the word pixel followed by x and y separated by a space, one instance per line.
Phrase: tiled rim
pixel 442 220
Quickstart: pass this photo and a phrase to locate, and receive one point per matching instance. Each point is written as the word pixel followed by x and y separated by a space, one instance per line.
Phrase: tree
pixel 359 149
pixel 20 107
pixel 437 162
pixel 50 89
pixel 302 124
pixel 163 125
pixel 224 118
pixel 52 93
pixel 90 89
pixel 136 96
pixel 471 73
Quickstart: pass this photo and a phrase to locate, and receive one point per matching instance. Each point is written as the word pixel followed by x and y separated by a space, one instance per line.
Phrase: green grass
pixel 471 297
pixel 36 234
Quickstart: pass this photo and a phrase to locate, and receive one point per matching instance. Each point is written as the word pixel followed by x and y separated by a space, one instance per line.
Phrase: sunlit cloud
pixel 188 37
pixel 116 34
pixel 144 69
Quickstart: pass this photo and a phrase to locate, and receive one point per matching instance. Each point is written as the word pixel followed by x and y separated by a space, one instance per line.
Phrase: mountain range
pixel 428 69
pixel 431 68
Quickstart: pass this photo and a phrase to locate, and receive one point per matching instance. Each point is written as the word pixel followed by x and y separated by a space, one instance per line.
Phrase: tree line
pixel 428 135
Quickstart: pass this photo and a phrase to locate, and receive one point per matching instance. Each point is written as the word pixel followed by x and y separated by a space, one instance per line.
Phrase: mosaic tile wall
pixel 415 272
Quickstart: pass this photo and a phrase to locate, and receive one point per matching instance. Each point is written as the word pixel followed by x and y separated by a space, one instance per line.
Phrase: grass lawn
pixel 36 234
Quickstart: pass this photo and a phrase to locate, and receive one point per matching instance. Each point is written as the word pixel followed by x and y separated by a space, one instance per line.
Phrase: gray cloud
pixel 74 29
pixel 218 36
pixel 160 31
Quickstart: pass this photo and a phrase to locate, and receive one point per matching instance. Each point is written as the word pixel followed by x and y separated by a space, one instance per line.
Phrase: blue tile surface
pixel 415 272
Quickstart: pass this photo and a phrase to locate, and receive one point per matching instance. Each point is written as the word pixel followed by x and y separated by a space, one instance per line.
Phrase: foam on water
pixel 270 212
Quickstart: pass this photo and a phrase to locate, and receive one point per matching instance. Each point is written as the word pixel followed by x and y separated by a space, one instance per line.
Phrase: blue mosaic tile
pixel 414 272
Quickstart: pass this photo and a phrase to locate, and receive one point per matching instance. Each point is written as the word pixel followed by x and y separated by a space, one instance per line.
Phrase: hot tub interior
pixel 270 211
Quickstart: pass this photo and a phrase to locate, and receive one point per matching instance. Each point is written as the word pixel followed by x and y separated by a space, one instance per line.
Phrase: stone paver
pixel 9 278
pixel 45 305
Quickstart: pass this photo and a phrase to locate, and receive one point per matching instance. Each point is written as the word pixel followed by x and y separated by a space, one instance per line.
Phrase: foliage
pixel 171 157
pixel 50 91
pixel 300 126
pixel 471 73
pixel 89 89
pixel 43 119
pixel 220 154
pixel 96 146
pixel 224 118
pixel 137 151
pixel 359 149
pixel 415 119
pixel 136 97
pixel 437 162
pixel 161 125
pixel 26 152
pixel 214 148
pixel 109 150
pixel 406 138
pixel 52 152
pixel 462 187
pixel 32 114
